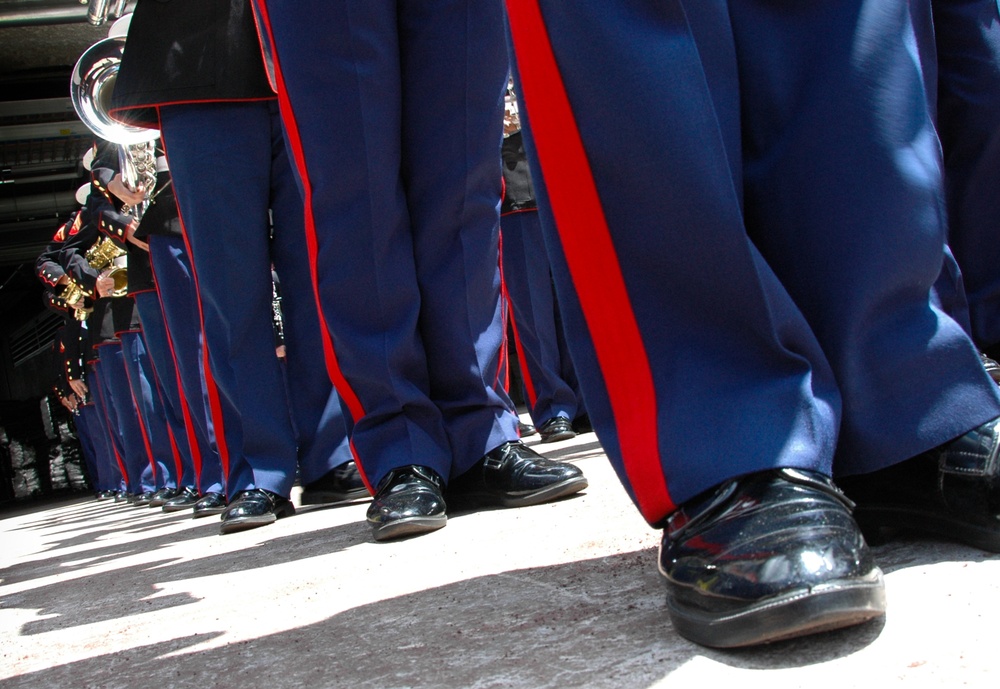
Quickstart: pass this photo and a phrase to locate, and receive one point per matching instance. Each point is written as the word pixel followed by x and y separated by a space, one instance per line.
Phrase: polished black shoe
pixel 525 429
pixel 767 556
pixel 185 499
pixel 209 504
pixel 582 424
pixel 408 501
pixel 340 484
pixel 253 508
pixel 160 497
pixel 952 492
pixel 122 496
pixel 142 499
pixel 514 475
pixel 991 366
pixel 105 494
pixel 555 429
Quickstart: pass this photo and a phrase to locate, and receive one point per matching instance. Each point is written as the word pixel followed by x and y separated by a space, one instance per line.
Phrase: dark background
pixel 42 143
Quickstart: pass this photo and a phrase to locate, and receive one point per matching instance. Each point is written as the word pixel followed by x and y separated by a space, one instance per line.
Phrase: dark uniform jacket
pixel 113 223
pixel 110 315
pixel 161 217
pixel 188 51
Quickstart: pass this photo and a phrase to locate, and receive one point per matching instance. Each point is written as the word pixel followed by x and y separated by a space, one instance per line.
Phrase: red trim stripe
pixel 120 114
pixel 214 401
pixel 142 426
pixel 189 428
pixel 158 389
pixel 298 155
pixel 593 263
pixel 107 424
pixel 529 384
pixel 503 362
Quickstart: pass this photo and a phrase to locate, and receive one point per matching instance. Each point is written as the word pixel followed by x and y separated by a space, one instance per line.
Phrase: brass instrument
pixel 104 254
pixel 99 10
pixel 91 86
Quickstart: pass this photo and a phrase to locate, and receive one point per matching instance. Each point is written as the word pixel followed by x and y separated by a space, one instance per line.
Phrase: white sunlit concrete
pixel 97 594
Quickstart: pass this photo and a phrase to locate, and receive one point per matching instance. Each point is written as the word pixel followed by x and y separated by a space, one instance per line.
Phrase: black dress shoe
pixel 253 508
pixel 105 494
pixel 768 556
pixel 514 475
pixel 555 429
pixel 160 497
pixel 952 491
pixel 209 504
pixel 525 429
pixel 582 424
pixel 408 501
pixel 991 366
pixel 142 499
pixel 185 499
pixel 340 484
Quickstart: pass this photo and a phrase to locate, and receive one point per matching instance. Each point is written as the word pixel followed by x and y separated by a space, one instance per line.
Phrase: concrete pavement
pixel 97 594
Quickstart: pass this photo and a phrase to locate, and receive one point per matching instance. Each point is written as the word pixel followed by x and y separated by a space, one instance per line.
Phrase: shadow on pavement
pixel 589 623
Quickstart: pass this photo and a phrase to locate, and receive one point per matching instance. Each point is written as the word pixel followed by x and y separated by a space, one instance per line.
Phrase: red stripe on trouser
pixel 192 436
pixel 529 385
pixel 189 428
pixel 214 403
pixel 158 388
pixel 142 426
pixel 503 366
pixel 298 155
pixel 110 430
pixel 591 257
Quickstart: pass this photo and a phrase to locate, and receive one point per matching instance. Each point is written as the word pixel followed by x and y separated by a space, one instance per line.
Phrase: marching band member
pixel 220 128
pixel 552 391
pixel 745 263
pixel 397 154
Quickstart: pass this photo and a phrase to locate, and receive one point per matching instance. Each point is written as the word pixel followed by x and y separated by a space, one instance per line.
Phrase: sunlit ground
pixel 97 594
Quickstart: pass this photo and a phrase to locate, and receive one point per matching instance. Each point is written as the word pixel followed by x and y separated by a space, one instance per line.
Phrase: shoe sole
pixel 244 523
pixel 556 437
pixel 874 519
pixel 471 501
pixel 410 526
pixel 208 513
pixel 234 525
pixel 547 494
pixel 328 497
pixel 177 508
pixel 833 605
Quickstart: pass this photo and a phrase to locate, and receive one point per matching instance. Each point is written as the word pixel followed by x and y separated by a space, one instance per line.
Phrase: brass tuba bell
pixel 91 86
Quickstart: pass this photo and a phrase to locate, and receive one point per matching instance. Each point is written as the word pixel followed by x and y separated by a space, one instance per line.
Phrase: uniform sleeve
pixel 111 222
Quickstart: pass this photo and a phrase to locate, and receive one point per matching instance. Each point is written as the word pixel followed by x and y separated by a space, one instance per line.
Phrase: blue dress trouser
pixel 124 420
pixel 226 221
pixel 179 302
pixel 154 336
pixel 83 422
pixel 393 111
pixel 149 404
pixel 745 229
pixel 967 37
pixel 316 408
pixel 550 380
pixel 108 470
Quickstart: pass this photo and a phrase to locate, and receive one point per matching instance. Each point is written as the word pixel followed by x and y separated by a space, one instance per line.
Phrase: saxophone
pixel 104 254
